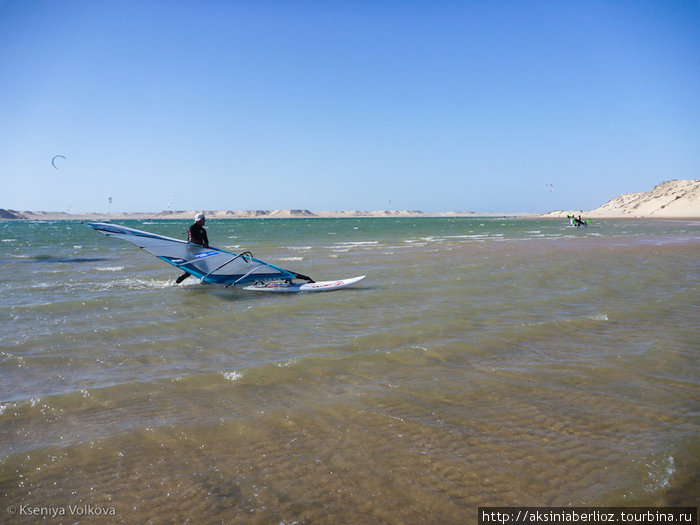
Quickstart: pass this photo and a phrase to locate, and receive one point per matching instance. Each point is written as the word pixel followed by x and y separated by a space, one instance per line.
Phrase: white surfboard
pixel 323 286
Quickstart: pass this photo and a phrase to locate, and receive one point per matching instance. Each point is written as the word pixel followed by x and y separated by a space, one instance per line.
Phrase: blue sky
pixel 434 106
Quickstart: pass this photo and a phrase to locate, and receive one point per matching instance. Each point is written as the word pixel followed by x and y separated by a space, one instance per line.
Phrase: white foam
pixel 433 239
pixel 232 376
pixel 357 243
pixel 598 317
pixel 109 268
pixel 140 284
pixel 468 236
pixel 660 474
pixel 291 259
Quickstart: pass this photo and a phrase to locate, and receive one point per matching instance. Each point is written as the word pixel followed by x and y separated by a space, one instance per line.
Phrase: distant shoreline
pixel 241 214
pixel 306 214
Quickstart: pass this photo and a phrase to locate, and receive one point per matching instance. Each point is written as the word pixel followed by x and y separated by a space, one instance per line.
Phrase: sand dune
pixel 670 199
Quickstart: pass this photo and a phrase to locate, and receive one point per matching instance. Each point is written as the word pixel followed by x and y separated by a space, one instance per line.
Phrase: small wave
pixel 9 240
pixel 415 242
pixel 357 243
pixel 660 474
pixel 139 284
pixel 469 236
pixel 598 317
pixel 109 268
pixel 41 285
pixel 291 259
pixel 232 376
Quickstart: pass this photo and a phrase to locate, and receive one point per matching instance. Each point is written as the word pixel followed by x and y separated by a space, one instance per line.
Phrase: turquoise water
pixel 483 361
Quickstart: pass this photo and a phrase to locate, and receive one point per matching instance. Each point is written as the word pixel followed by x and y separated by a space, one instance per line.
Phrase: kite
pixel 53 163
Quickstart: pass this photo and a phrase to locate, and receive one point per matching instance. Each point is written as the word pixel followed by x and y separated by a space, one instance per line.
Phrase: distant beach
pixel 240 214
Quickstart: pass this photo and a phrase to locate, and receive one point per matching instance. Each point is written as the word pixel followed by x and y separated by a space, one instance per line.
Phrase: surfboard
pixel 322 286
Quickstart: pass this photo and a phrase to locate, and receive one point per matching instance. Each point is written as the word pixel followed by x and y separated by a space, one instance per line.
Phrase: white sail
pixel 208 264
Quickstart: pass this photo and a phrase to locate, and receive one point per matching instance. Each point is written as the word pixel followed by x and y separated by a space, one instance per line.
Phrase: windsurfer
pixel 196 234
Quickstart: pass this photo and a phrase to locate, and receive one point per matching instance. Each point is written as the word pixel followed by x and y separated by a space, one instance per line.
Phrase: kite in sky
pixel 53 160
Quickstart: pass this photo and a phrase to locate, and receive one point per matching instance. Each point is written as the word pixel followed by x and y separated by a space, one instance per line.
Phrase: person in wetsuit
pixel 196 234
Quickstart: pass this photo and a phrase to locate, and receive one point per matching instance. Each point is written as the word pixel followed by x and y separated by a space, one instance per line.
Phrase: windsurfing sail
pixel 211 265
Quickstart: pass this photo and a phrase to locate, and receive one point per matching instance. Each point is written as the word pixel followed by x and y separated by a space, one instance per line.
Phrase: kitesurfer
pixel 579 222
pixel 196 234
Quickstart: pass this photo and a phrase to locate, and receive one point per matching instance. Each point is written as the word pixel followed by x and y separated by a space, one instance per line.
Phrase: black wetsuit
pixel 196 234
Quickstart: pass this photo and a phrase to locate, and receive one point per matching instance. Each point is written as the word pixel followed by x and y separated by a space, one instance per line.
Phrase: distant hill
pixel 10 214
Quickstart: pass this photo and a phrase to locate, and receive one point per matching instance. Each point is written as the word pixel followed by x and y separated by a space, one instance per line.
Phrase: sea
pixel 482 362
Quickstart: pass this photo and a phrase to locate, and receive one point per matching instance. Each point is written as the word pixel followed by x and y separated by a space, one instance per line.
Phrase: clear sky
pixel 424 105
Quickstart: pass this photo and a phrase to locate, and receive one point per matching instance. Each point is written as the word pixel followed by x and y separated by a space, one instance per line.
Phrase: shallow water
pixel 481 362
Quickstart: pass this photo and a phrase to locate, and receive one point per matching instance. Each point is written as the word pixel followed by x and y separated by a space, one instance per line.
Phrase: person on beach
pixel 196 234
